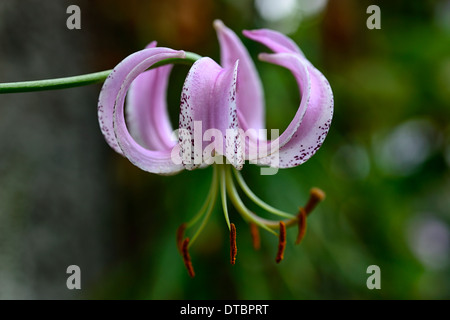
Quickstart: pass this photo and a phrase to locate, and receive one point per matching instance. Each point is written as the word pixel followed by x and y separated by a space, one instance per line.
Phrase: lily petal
pixel 274 40
pixel 111 111
pixel 307 131
pixel 208 109
pixel 250 97
pixel 146 108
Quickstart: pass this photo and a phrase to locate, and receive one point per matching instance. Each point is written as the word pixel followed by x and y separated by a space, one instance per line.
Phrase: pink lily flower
pixel 227 99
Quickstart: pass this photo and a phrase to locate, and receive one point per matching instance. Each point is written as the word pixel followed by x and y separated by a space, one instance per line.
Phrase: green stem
pixel 54 84
pixel 83 80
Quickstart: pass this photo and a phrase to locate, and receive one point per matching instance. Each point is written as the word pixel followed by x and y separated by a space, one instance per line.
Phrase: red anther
pixel 315 196
pixel 301 225
pixel 187 258
pixel 254 231
pixel 281 243
pixel 180 236
pixel 233 246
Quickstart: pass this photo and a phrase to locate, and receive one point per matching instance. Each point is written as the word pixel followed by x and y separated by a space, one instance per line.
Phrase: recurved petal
pixel 250 94
pixel 304 135
pixel 307 131
pixel 274 40
pixel 146 108
pixel 111 111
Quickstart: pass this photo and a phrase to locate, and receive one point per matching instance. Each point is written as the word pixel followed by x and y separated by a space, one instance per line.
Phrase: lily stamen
pixel 209 204
pixel 180 236
pixel 243 210
pixel 223 195
pixel 187 258
pixel 233 246
pixel 281 242
pixel 256 240
pixel 257 200
pixel 301 225
pixel 223 180
pixel 316 195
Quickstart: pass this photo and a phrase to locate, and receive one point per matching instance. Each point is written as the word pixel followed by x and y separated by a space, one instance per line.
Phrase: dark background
pixel 66 198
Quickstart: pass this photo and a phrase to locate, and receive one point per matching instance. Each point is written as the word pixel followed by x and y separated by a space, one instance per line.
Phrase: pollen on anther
pixel 281 243
pixel 254 231
pixel 180 235
pixel 316 195
pixel 301 225
pixel 187 258
pixel 233 246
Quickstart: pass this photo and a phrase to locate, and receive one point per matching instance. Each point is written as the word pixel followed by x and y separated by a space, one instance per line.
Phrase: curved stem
pixel 54 84
pixel 82 80
pixel 257 200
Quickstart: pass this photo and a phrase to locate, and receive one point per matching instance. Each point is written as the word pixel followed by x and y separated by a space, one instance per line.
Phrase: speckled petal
pixel 111 111
pixel 307 131
pixel 208 103
pixel 250 94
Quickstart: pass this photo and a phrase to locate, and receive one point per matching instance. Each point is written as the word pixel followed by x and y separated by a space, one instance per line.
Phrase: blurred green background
pixel 67 198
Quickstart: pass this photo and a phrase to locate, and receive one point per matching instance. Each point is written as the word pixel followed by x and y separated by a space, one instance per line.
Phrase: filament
pixel 223 193
pixel 212 201
pixel 257 200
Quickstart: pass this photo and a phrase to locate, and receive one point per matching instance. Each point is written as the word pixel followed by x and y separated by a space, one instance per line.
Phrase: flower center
pixel 223 182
